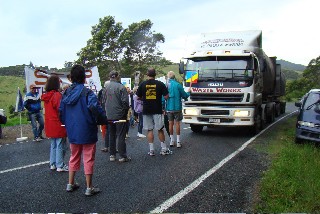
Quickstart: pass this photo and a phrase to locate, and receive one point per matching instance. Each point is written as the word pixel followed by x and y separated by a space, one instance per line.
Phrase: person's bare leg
pixel 71 177
pixel 150 136
pixel 161 135
pixel 171 127
pixel 89 180
pixel 177 124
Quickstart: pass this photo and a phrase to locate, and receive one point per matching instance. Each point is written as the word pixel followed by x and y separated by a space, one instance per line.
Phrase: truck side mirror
pixel 297 104
pixel 181 67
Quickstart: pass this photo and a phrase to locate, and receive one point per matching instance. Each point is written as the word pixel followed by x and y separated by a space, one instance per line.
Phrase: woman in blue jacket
pixel 79 109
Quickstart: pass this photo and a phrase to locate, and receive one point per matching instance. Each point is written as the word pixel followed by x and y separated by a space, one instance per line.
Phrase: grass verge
pixel 291 184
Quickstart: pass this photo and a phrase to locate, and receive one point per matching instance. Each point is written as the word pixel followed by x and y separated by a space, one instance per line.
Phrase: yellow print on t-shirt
pixel 151 93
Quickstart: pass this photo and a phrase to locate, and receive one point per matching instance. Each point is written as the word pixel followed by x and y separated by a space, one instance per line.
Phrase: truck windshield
pixel 222 68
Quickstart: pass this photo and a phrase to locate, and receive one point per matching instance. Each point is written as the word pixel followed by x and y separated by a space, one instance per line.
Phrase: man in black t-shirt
pixel 151 92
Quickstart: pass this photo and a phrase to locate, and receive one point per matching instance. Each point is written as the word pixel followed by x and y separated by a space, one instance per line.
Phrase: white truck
pixel 232 82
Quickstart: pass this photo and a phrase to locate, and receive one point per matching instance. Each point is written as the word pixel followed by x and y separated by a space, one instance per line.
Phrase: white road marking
pixel 174 199
pixel 24 167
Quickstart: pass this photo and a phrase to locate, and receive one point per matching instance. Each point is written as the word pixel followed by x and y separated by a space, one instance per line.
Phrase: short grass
pixel 292 183
pixel 8 94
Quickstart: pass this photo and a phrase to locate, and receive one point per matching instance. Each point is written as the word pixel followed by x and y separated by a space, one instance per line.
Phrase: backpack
pixel 100 117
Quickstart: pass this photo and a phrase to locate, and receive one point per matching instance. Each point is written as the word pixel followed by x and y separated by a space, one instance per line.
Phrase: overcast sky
pixel 52 32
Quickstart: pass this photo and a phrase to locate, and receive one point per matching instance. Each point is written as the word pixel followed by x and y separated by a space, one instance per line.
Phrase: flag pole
pixel 19 109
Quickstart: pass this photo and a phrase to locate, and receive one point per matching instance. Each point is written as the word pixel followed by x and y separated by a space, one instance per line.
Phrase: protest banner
pixel 40 77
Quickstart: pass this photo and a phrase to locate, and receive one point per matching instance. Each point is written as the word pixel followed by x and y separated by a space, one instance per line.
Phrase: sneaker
pixel 172 144
pixel 92 191
pixel 37 139
pixel 127 136
pixel 104 150
pixel 126 159
pixel 112 158
pixel 179 145
pixel 72 187
pixel 141 135
pixel 151 153
pixel 42 138
pixel 53 167
pixel 166 152
pixel 63 169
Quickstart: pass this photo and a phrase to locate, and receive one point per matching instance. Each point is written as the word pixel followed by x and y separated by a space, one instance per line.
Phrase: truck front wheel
pixel 196 128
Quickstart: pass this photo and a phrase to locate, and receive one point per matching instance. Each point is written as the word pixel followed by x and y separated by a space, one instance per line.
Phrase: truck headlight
pixel 241 113
pixel 308 124
pixel 191 111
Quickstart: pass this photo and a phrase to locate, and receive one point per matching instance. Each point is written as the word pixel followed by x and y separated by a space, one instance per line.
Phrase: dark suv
pixel 308 121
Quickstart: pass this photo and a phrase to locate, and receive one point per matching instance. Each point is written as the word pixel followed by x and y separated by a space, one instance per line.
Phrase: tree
pixel 126 50
pixel 68 64
pixel 312 73
pixel 141 47
pixel 103 49
pixel 310 79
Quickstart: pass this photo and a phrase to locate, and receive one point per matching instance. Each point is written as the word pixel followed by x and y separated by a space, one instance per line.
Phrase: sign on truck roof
pixel 235 40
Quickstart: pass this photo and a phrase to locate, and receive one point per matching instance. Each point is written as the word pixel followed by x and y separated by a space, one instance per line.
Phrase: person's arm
pixel 183 94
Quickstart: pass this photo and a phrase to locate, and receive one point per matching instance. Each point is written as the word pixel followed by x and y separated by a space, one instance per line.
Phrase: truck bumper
pixel 217 116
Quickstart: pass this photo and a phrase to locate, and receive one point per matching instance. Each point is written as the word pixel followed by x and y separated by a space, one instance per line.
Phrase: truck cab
pixel 231 83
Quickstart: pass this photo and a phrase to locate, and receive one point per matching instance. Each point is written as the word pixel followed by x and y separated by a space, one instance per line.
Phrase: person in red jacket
pixel 53 127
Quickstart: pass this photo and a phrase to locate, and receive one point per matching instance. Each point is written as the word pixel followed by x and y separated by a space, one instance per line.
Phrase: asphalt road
pixel 208 174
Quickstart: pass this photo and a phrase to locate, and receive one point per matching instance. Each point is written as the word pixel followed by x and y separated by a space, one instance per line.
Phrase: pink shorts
pixel 88 151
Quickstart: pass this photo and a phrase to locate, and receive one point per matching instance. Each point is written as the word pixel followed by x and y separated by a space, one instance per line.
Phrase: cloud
pixel 50 33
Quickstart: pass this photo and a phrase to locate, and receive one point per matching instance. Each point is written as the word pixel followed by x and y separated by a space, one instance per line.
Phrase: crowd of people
pixel 75 113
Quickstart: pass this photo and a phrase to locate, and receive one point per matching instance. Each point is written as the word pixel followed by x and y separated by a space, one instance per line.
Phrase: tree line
pixel 310 79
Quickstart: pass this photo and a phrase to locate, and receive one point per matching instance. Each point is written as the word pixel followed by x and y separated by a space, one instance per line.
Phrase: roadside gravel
pixel 11 133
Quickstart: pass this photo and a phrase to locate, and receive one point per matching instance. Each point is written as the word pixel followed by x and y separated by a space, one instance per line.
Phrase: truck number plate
pixel 214 120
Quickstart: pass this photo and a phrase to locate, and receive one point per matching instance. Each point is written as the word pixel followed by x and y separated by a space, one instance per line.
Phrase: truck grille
pixel 217 97
pixel 214 112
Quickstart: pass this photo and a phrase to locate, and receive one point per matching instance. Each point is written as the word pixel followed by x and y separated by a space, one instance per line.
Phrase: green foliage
pixel 140 51
pixel 310 79
pixel 8 94
pixel 126 50
pixel 17 70
pixel 103 48
pixel 291 183
pixel 312 73
pixel 291 75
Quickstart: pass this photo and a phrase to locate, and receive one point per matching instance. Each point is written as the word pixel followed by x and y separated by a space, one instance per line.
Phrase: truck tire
pixel 257 127
pixel 282 107
pixel 271 114
pixel 196 128
pixel 278 109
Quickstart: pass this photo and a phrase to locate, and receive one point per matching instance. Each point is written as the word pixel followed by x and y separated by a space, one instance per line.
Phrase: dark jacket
pixel 77 109
pixel 32 102
pixel 116 101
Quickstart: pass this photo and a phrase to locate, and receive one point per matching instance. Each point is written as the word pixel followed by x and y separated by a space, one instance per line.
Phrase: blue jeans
pixel 37 131
pixel 57 152
pixel 140 125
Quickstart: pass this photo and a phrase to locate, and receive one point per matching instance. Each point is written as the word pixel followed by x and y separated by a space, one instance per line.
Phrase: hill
pixel 291 66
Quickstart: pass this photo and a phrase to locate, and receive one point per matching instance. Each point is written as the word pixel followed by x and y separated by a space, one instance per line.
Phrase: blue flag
pixel 19 102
